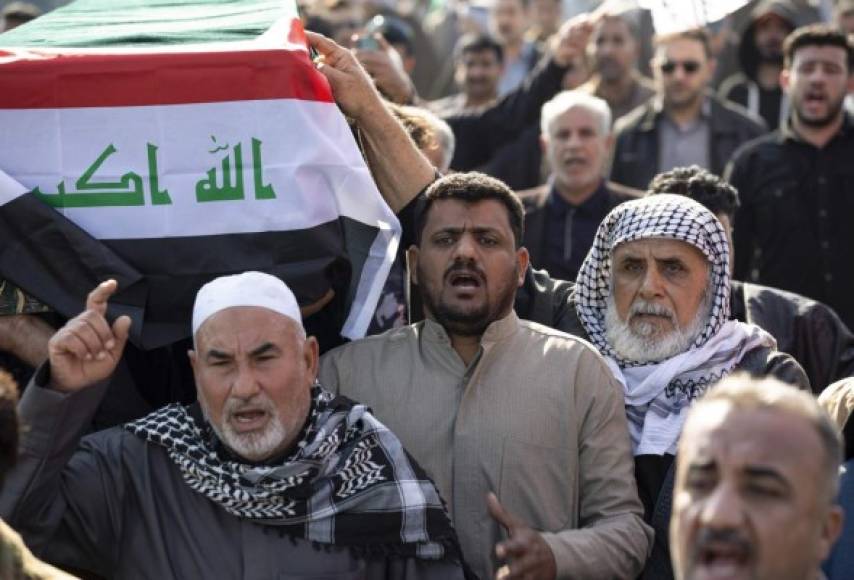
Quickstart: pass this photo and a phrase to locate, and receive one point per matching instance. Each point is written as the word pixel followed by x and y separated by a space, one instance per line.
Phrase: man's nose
pixel 652 285
pixel 723 508
pixel 465 248
pixel 245 385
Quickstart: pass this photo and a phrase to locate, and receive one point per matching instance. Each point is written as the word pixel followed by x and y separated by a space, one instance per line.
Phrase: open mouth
pixel 464 280
pixel 575 162
pixel 815 98
pixel 248 419
pixel 722 561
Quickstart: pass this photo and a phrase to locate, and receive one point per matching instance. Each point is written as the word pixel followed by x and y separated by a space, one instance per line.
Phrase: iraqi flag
pixel 166 143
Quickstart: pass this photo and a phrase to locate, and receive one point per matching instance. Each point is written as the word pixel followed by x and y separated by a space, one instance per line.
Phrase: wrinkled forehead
pixel 750 437
pixel 660 248
pixel 669 222
pixel 577 116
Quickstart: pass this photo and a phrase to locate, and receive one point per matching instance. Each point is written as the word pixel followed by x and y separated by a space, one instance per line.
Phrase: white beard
pixel 643 343
pixel 254 446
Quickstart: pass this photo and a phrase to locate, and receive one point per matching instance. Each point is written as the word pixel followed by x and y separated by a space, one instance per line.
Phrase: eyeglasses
pixel 689 66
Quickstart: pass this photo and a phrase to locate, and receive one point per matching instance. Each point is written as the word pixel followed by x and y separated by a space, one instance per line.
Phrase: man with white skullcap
pixel 653 295
pixel 268 476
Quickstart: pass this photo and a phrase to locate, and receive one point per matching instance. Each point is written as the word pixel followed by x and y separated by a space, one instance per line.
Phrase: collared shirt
pixel 682 146
pixel 793 229
pixel 515 71
pixel 570 230
pixel 537 417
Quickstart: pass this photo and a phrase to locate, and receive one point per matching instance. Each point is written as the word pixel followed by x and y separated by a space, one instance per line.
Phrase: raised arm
pixel 399 168
pixel 64 500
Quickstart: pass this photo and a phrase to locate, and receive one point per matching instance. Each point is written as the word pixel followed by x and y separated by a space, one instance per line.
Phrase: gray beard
pixel 249 446
pixel 642 344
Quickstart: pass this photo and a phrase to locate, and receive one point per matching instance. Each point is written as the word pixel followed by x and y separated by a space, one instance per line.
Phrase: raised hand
pixel 528 555
pixel 385 67
pixel 87 349
pixel 570 42
pixel 352 87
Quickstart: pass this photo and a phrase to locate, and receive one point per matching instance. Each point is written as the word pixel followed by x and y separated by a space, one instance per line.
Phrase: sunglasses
pixel 689 66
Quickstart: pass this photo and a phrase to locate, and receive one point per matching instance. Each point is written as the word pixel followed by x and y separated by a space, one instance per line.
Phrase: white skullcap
pixel 246 289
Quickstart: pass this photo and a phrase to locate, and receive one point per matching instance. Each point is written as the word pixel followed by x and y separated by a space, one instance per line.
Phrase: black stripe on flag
pixel 56 261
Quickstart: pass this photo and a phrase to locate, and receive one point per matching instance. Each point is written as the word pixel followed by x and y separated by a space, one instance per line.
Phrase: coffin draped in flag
pixel 164 144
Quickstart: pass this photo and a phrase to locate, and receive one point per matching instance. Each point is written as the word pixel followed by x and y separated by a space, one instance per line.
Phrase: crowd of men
pixel 615 343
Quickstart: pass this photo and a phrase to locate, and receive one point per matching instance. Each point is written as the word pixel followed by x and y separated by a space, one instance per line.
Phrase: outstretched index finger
pixel 501 515
pixel 97 299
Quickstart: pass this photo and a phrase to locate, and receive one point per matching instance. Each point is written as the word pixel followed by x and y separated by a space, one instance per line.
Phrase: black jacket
pixel 479 134
pixel 793 228
pixel 636 152
pixel 808 330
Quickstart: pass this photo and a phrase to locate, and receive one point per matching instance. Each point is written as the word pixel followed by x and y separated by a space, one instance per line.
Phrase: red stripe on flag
pixel 129 80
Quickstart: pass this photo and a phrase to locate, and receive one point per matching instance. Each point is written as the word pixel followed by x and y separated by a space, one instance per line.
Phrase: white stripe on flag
pixel 309 160
pixel 9 188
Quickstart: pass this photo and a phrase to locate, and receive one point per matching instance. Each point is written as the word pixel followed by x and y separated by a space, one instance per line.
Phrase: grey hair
pixel 566 100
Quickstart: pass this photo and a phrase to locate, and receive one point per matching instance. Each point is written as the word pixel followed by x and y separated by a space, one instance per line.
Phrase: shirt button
pixel 825 244
pixel 828 277
pixel 822 180
pixel 822 213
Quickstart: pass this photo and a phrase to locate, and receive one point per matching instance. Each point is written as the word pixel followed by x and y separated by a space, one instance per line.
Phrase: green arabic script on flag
pixel 129 190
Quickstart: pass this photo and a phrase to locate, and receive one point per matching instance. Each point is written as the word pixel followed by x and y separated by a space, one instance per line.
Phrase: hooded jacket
pixel 742 87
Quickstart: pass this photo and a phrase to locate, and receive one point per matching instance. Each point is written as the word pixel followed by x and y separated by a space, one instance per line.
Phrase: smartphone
pixel 367 42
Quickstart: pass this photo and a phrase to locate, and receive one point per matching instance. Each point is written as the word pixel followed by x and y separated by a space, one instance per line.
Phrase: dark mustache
pixel 713 536
pixel 464 267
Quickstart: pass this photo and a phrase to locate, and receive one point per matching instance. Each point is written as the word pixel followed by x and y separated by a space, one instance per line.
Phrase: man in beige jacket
pixel 490 403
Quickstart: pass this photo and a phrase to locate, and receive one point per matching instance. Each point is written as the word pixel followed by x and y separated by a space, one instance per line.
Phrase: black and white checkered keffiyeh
pixel 349 481
pixel 658 393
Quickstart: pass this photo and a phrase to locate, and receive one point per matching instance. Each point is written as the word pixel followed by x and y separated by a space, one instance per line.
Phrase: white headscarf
pixel 657 394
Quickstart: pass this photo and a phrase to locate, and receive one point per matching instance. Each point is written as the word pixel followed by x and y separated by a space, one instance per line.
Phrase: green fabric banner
pixel 93 23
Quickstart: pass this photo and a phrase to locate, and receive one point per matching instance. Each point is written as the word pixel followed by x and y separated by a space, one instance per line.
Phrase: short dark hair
pixel 8 423
pixel 704 187
pixel 473 187
pixel 817 35
pixel 631 24
pixel 696 34
pixel 478 43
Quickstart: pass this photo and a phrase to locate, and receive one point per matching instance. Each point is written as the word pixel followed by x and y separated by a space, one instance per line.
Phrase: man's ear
pixel 523 259
pixel 194 359
pixel 831 530
pixel 609 143
pixel 713 65
pixel 544 143
pixel 311 354
pixel 412 263
pixel 785 77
